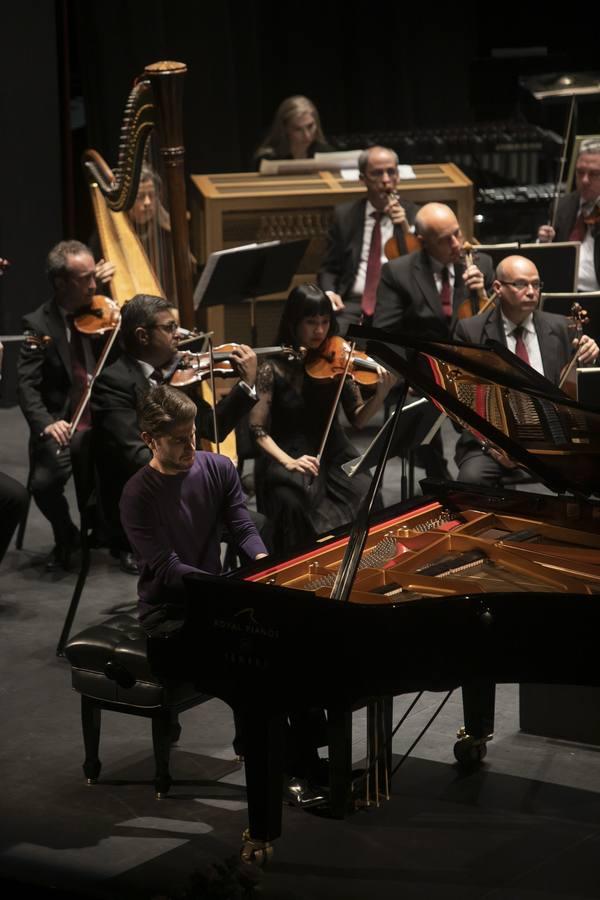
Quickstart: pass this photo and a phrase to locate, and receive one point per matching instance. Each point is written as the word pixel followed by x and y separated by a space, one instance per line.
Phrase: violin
pixel 100 316
pixel 336 357
pixel 192 368
pixel 403 240
pixel 477 302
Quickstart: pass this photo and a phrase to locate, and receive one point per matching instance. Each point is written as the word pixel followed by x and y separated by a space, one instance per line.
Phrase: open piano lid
pixel 502 401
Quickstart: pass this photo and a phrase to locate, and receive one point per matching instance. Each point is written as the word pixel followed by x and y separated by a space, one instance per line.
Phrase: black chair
pixel 111 670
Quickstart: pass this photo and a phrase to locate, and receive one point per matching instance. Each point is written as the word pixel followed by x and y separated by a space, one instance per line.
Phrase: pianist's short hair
pixel 363 159
pixel 591 145
pixel 57 260
pixel 162 408
pixel 304 301
pixel 140 312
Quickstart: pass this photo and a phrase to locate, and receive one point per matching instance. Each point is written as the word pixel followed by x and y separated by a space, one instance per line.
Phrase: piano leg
pixel 263 759
pixel 339 729
pixel 479 700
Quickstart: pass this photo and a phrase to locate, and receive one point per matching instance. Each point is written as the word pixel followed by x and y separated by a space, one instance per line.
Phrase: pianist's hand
pixel 546 234
pixel 587 350
pixel 306 465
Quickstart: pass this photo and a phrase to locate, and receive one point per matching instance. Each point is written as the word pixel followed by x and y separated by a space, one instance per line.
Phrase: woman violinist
pixel 302 494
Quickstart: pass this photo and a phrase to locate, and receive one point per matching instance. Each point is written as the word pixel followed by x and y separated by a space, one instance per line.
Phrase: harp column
pixel 167 85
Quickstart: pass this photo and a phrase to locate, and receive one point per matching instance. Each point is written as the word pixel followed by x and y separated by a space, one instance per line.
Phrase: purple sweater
pixel 174 523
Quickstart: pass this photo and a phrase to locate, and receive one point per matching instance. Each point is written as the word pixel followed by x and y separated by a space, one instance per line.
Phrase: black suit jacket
pixel 555 348
pixel 344 244
pixel 115 398
pixel 552 334
pixel 408 300
pixel 566 216
pixel 44 373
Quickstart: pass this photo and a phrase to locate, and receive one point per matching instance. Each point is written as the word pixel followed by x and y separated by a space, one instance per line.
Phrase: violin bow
pixel 563 162
pixel 336 401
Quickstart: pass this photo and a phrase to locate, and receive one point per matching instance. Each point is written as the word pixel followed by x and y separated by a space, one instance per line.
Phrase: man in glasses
pixel 149 339
pixel 578 216
pixel 539 339
pixel 357 238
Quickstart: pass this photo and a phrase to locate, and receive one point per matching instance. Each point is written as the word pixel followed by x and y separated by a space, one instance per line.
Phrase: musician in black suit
pixel 149 338
pixel 538 338
pixel 572 208
pixel 344 268
pixel 52 377
pixel 13 496
pixel 421 293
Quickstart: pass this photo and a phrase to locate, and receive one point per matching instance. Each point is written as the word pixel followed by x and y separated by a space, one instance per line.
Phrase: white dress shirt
pixel 530 339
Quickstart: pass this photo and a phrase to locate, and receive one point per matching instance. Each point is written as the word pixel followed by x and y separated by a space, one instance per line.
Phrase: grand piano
pixel 459 588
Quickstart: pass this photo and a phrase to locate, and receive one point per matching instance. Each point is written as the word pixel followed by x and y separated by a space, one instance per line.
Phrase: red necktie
pixel 446 293
pixel 79 375
pixel 520 348
pixel 369 296
pixel 579 230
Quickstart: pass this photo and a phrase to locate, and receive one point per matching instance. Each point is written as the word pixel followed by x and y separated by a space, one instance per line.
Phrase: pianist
pixel 173 511
pixel 174 508
pixel 540 339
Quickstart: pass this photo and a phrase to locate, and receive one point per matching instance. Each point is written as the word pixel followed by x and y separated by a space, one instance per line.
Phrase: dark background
pixel 67 67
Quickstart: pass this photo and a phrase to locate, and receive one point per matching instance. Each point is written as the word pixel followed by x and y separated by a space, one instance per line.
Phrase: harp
pixel 154 105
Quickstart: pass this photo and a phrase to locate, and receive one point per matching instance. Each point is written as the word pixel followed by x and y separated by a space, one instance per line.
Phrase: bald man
pixel 421 293
pixel 544 342
pixel 343 274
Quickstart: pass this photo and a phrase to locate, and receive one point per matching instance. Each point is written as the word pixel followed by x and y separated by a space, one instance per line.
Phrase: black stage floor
pixel 525 826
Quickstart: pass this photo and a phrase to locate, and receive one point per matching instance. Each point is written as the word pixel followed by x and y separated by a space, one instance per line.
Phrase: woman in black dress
pixel 300 495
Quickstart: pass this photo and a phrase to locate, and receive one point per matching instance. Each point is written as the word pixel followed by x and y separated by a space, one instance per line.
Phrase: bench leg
pixel 162 726
pixel 91 719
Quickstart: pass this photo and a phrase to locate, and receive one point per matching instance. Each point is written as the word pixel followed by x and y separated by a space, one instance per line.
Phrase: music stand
pixel 242 274
pixel 420 420
pixel 557 263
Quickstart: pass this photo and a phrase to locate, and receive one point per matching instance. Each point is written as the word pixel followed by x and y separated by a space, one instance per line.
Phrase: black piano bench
pixel 110 670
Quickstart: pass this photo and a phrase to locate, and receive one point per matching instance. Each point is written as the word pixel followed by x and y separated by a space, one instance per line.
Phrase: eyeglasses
pixel 592 174
pixel 392 172
pixel 170 327
pixel 521 284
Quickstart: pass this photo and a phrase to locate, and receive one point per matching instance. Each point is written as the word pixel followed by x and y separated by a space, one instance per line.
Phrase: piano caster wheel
pixel 255 853
pixel 468 751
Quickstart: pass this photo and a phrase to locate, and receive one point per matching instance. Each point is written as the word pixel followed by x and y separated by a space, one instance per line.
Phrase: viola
pixel 591 212
pixel 331 361
pixel 568 382
pixel 477 302
pixel 192 368
pixel 403 240
pixel 100 316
